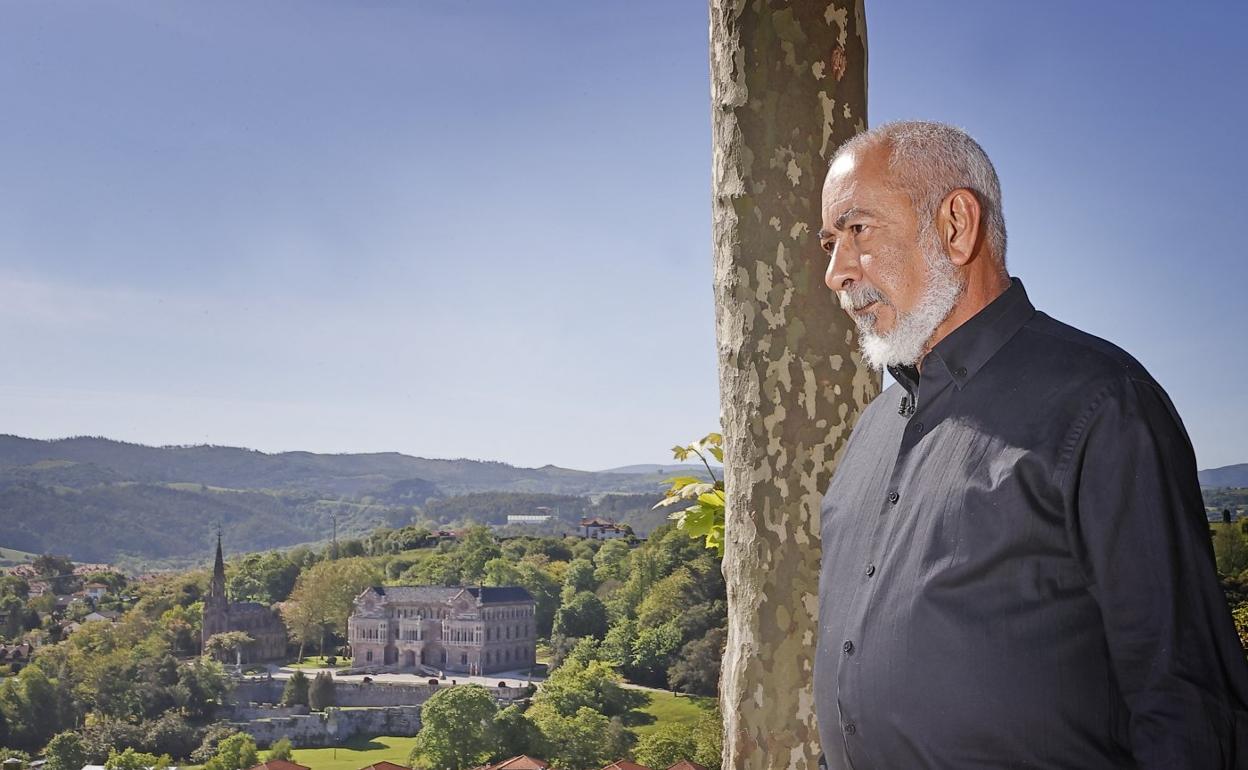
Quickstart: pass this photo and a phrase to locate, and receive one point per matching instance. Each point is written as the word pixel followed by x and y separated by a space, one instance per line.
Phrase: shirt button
pixel 960 371
pixel 848 647
pixel 893 497
pixel 850 729
pixel 870 570
pixel 918 427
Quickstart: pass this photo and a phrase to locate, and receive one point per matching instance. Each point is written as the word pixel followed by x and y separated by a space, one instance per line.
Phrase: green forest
pixel 649 612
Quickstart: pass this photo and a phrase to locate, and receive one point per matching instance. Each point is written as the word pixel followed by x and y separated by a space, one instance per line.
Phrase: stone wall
pixel 255 710
pixel 257 691
pixel 333 726
pixel 359 693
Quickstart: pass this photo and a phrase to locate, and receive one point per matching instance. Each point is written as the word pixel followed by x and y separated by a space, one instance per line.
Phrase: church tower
pixel 216 591
pixel 216 606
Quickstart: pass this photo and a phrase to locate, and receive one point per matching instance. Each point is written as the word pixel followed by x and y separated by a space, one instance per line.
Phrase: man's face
pixel 889 272
pixel 871 236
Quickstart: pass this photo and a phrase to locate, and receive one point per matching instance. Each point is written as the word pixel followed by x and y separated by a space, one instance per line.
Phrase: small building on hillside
pixel 473 629
pixel 258 621
pixel 601 529
pixel 15 655
pixel 94 591
pixel 528 518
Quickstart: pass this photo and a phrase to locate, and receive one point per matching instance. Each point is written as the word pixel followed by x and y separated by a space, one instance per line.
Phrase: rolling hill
pixel 96 499
pixel 1226 476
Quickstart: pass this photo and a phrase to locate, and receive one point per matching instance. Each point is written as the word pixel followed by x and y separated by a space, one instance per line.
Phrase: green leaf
pixel 714 499
pixel 678 482
pixel 699 520
pixel 697 490
pixel 705 518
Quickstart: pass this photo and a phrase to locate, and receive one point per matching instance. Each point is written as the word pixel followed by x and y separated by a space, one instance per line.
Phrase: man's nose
pixel 843 267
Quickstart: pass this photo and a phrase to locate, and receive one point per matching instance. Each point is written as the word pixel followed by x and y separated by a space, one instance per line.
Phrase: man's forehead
pixel 856 181
pixel 842 164
pixel 840 194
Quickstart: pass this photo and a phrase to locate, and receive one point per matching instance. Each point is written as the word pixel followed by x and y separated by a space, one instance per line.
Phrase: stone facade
pixel 473 630
pixel 261 623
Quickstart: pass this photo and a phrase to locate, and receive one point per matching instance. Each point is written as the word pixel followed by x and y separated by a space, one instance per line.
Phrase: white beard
pixel 906 343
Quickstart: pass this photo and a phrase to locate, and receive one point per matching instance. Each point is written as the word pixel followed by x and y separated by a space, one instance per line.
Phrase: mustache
pixel 859 296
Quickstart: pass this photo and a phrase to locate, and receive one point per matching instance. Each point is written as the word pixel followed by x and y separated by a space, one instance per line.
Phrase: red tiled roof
pixel 624 764
pixel 386 766
pixel 597 522
pixel 522 762
pixel 280 764
pixel 685 764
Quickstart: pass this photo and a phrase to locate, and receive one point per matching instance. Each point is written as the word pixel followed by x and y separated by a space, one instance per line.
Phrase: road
pixel 510 678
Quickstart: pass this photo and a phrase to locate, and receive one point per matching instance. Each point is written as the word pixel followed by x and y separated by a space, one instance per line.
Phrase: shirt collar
pixel 966 349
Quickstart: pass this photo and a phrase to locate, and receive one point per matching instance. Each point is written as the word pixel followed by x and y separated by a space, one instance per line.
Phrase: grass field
pixel 10 557
pixel 357 753
pixel 666 708
pixel 318 661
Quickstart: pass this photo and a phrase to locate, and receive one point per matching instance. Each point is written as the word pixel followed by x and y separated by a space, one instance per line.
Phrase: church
pixel 258 621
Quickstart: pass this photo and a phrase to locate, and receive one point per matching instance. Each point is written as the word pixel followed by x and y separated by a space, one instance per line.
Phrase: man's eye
pixel 857 229
pixel 828 246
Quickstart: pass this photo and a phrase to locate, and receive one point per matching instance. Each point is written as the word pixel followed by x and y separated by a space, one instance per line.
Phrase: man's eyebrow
pixel 839 224
pixel 852 212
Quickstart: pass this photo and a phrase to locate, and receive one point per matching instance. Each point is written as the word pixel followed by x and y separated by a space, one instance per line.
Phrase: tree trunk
pixel 788 86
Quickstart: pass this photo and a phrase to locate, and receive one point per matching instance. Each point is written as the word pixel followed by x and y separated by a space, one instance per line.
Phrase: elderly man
pixel 1017 570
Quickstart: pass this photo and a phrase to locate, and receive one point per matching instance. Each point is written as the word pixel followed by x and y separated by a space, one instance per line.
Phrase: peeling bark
pixel 788 86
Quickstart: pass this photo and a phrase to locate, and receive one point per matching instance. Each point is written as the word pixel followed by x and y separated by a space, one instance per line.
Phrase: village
pixel 402 641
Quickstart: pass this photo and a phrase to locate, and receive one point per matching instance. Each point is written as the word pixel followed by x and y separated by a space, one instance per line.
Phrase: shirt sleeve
pixel 1137 524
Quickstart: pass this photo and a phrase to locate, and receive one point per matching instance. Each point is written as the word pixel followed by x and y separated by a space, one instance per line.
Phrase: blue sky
pixel 482 229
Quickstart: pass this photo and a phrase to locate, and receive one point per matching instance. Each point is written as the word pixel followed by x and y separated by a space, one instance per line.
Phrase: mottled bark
pixel 788 84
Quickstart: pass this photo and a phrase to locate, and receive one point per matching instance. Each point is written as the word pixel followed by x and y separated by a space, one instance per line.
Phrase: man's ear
pixel 959 222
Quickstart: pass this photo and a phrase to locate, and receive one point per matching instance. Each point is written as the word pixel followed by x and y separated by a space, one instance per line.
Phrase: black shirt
pixel 1017 567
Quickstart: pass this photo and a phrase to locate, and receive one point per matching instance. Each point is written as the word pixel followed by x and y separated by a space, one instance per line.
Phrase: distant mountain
pixel 687 469
pixel 101 500
pixel 335 474
pixel 1227 476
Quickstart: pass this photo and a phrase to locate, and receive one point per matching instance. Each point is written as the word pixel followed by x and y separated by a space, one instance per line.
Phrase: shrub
pixel 321 693
pixel 280 750
pixel 295 693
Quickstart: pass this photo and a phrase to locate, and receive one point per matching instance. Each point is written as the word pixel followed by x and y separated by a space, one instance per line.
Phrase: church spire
pixel 217 589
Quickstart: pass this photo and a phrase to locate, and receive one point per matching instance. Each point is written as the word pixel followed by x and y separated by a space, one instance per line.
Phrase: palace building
pixel 258 621
pixel 472 630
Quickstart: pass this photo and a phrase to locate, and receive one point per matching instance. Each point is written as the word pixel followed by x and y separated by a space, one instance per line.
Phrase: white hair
pixel 930 160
